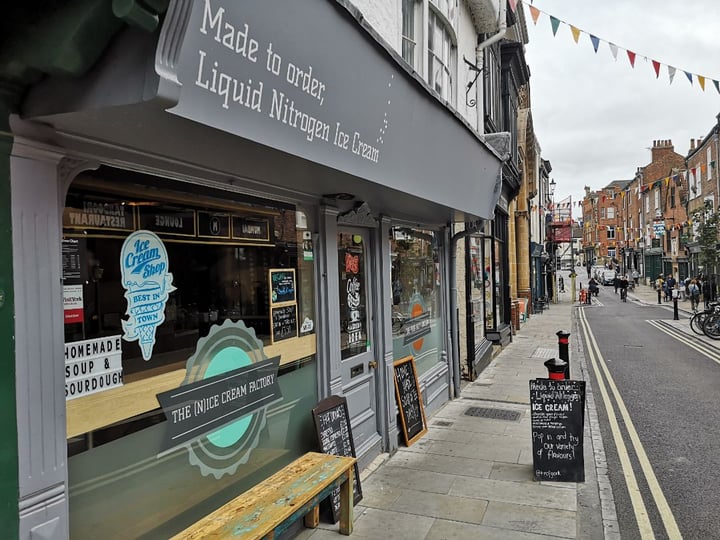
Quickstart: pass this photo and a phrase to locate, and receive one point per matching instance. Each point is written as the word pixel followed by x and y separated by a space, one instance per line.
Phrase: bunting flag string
pixel 632 55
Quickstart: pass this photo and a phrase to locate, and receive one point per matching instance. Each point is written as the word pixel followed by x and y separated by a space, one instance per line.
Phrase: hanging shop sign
pixel 167 220
pixel 93 366
pixel 219 410
pixel 253 229
pixel 659 228
pixel 147 281
pixel 213 225
pixel 99 214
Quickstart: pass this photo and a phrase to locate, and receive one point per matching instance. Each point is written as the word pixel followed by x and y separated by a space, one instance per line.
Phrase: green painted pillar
pixel 9 487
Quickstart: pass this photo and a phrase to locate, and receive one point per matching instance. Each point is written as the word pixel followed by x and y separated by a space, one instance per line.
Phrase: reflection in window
pixel 417 311
pixel 219 250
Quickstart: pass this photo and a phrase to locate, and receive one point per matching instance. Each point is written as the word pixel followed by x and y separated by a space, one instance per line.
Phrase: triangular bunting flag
pixel 555 23
pixel 689 76
pixel 667 180
pixel 703 168
pixel 613 50
pixel 595 42
pixel 534 13
pixel 717 85
pixel 631 57
pixel 701 80
pixel 513 5
pixel 671 73
pixel 575 32
pixel 656 67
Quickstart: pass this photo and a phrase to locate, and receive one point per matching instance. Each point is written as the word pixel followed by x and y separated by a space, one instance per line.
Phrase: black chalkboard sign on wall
pixel 409 400
pixel 332 424
pixel 557 417
pixel 284 322
pixel 282 285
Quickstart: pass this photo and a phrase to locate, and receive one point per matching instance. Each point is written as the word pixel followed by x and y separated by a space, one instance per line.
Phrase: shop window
pixel 417 322
pixel 165 290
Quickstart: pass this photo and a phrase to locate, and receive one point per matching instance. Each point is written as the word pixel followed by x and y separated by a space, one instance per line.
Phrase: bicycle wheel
pixel 711 326
pixel 696 322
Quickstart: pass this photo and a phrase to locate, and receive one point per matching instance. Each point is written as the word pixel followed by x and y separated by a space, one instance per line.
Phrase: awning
pixel 310 102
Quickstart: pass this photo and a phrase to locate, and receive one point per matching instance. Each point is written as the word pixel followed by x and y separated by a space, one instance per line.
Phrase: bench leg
pixel 312 518
pixel 346 504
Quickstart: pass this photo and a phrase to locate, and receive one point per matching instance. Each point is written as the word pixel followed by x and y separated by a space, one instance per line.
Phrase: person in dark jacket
pixel 707 291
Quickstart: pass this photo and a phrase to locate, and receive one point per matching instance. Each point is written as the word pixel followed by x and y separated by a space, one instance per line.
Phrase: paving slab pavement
pixel 471 477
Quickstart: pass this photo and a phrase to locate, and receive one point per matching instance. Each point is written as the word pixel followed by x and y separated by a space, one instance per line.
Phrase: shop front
pixel 214 229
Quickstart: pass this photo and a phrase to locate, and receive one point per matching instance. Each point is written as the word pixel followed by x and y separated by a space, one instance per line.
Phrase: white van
pixel 608 277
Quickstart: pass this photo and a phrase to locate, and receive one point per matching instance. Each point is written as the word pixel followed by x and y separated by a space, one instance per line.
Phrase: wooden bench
pixel 272 506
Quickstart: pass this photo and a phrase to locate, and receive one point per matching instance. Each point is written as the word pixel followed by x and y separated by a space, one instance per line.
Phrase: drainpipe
pixel 502 29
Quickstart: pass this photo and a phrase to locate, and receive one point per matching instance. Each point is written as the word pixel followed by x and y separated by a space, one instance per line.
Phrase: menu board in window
pixel 282 285
pixel 332 425
pixel 409 400
pixel 284 322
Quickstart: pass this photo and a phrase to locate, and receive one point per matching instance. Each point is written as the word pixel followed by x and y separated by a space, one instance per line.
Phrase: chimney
pixel 692 144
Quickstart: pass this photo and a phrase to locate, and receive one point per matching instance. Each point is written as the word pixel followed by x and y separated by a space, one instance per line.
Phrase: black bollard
pixel 563 350
pixel 675 295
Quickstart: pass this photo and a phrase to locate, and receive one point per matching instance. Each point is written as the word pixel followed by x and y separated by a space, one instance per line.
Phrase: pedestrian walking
pixel 707 292
pixel 636 276
pixel 694 292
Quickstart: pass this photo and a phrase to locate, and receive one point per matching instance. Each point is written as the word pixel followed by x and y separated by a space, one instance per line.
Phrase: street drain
pixel 495 414
pixel 443 423
pixel 542 352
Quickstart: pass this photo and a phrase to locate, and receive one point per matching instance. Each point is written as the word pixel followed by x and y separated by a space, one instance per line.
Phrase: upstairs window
pixel 709 161
pixel 441 57
pixel 410 31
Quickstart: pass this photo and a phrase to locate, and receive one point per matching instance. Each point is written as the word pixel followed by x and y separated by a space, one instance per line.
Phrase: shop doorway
pixel 358 362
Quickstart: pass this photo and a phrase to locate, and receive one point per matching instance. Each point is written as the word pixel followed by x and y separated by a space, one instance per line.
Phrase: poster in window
pixel 353 297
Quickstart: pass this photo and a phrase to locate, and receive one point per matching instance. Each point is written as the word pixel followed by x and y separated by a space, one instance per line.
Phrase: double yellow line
pixel 641 515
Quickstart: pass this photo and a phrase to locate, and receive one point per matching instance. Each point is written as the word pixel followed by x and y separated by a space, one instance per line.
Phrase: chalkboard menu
pixel 284 322
pixel 282 285
pixel 332 424
pixel 557 417
pixel 409 400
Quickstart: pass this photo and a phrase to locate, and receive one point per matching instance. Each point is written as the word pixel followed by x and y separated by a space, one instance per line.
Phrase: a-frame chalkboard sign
pixel 409 400
pixel 332 424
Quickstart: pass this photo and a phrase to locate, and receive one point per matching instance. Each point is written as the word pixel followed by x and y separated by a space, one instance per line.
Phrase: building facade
pixel 213 193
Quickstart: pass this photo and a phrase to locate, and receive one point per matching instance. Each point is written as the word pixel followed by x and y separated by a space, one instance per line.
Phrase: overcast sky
pixel 596 117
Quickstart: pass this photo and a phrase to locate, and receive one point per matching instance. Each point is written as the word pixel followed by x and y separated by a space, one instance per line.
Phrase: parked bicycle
pixel 711 323
pixel 697 322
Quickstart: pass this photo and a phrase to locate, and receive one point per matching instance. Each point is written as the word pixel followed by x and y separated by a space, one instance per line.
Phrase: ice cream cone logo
pixel 147 282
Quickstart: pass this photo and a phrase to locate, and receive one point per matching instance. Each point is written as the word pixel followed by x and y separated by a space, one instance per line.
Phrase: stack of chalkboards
pixel 557 416
pixel 332 425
